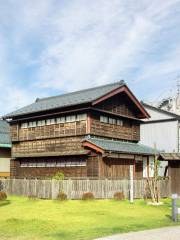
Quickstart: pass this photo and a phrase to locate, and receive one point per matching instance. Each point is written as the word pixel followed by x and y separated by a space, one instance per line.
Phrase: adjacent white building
pixel 161 130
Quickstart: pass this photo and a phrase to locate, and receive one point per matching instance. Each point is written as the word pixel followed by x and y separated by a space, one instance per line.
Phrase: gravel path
pixel 168 233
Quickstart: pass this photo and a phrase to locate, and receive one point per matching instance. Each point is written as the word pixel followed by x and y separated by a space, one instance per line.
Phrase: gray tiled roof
pixel 119 146
pixel 69 99
pixel 4 133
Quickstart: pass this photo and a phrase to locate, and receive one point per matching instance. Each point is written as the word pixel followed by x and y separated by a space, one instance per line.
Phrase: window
pixel 112 121
pixel 81 116
pixel 71 163
pixel 32 163
pixel 24 125
pixel 50 164
pixel 24 163
pixel 60 120
pixel 71 118
pixel 61 164
pixel 50 121
pixel 103 119
pixel 79 163
pixel 40 163
pixel 32 124
pixel 40 123
pixel 119 122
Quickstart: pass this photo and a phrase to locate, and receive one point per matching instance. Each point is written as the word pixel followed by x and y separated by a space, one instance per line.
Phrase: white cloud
pixel 48 46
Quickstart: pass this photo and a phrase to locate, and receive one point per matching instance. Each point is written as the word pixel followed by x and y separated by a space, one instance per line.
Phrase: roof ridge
pixel 111 140
pixel 121 82
pixel 161 110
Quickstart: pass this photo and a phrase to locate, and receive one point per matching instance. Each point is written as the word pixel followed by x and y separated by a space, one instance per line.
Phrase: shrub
pixel 119 196
pixel 32 197
pixel 88 196
pixel 62 196
pixel 3 196
pixel 58 176
pixel 1 186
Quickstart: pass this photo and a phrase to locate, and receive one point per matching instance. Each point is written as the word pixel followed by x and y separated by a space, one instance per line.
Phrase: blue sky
pixel 48 47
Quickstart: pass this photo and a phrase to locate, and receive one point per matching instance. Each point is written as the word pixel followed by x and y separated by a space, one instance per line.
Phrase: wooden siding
pixel 174 173
pixel 66 145
pixel 93 166
pixel 138 169
pixel 48 131
pixel 115 168
pixel 119 104
pixel 119 168
pixel 46 172
pixel 129 131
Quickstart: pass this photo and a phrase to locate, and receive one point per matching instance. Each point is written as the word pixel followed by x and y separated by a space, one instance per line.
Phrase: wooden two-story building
pixel 89 133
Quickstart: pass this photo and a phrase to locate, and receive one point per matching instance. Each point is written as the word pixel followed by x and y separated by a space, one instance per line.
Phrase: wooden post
pixel 131 195
pixel 174 208
pixel 53 189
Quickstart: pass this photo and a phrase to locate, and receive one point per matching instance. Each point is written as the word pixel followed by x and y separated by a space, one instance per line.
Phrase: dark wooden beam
pixel 126 90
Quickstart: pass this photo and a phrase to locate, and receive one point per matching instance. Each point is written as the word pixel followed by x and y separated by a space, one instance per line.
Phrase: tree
pixel 152 182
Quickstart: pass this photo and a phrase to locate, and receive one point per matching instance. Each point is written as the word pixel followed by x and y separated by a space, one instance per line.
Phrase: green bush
pixel 32 197
pixel 88 196
pixel 3 196
pixel 119 196
pixel 59 176
pixel 62 196
pixel 1 186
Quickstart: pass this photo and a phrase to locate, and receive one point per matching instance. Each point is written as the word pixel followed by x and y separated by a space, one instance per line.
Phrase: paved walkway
pixel 168 233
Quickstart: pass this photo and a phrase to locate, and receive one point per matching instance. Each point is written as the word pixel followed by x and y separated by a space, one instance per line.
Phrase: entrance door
pixel 139 169
pixel 175 176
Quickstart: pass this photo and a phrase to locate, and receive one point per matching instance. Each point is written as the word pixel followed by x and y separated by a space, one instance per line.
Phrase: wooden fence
pixel 74 188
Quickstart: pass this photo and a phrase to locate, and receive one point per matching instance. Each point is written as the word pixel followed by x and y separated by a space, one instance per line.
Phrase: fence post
pixel 70 188
pixel 174 208
pixel 53 189
pixel 131 184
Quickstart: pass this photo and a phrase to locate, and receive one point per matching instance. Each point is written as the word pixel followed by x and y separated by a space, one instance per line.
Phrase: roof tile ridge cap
pixel 120 83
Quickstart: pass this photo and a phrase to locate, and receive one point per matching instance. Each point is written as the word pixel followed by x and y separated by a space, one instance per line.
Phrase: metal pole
pixel 174 208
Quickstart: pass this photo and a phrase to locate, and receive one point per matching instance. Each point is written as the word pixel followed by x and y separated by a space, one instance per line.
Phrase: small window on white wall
pixel 151 166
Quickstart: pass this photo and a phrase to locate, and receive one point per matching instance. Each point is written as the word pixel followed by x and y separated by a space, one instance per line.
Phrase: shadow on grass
pixel 168 216
pixel 94 232
pixel 4 203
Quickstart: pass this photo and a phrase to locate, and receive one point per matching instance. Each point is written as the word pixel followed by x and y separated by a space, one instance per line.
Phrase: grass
pixel 24 219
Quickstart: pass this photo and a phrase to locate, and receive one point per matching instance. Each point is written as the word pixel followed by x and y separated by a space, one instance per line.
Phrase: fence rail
pixel 102 189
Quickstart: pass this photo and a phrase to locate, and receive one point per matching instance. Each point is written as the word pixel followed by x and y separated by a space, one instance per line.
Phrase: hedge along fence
pixel 102 189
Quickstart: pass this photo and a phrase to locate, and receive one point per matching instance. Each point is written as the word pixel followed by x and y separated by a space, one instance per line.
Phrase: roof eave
pixel 5 145
pixel 123 88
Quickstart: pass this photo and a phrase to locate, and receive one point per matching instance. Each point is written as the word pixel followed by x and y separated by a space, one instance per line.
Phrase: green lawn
pixel 24 219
